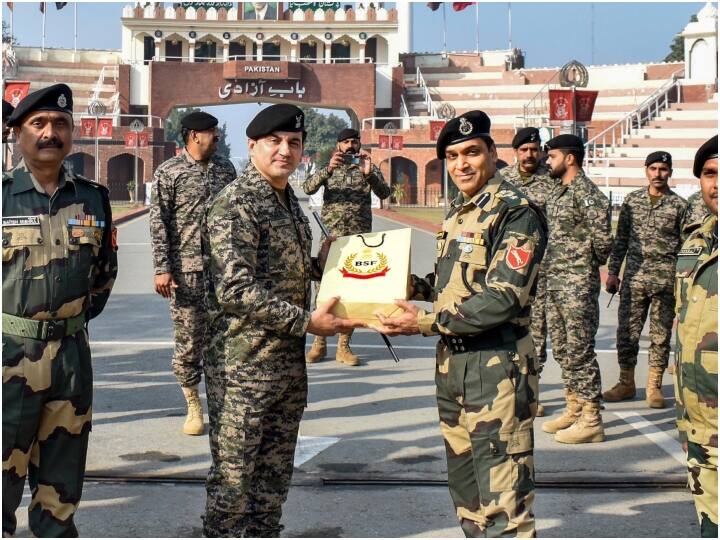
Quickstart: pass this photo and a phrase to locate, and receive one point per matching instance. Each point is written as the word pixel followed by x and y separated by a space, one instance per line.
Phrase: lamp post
pixel 97 109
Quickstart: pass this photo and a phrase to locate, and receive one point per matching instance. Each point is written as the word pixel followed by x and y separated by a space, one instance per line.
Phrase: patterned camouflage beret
pixel 707 151
pixel 659 157
pixel 57 97
pixel 281 117
pixel 526 135
pixel 471 125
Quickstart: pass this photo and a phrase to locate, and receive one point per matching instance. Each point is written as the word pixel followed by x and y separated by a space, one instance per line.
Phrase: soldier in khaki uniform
pixel 530 175
pixel 696 209
pixel 260 267
pixel 59 266
pixel 348 180
pixel 696 368
pixel 184 187
pixel 488 259
pixel 579 243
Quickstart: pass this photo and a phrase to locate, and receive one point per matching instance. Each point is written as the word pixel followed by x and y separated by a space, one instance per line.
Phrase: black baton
pixel 325 231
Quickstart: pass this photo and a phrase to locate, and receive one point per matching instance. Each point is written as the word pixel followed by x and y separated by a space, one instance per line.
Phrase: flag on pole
pixel 60 5
pixel 459 6
pixel 434 5
pixel 10 6
pixel 42 7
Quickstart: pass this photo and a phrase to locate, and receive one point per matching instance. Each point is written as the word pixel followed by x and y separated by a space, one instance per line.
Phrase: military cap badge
pixel 465 127
pixel 62 101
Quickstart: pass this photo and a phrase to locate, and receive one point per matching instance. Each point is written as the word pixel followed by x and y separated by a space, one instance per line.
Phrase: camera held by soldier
pixel 349 154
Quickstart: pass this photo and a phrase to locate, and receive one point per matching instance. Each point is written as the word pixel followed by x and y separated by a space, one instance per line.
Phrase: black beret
pixel 471 125
pixel 348 133
pixel 526 135
pixel 198 121
pixel 660 156
pixel 57 97
pixel 7 109
pixel 565 142
pixel 281 117
pixel 707 151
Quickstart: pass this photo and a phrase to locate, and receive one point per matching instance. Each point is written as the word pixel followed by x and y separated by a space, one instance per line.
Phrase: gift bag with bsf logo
pixel 368 272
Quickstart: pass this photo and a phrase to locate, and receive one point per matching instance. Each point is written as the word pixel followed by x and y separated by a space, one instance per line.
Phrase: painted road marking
pixel 309 447
pixel 667 443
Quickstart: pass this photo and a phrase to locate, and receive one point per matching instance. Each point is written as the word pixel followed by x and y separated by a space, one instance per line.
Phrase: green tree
pixel 322 135
pixel 6 37
pixel 173 131
pixel 677 47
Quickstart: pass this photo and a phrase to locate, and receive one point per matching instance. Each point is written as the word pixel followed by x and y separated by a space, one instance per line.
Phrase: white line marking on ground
pixel 655 434
pixel 171 343
pixel 403 224
pixel 309 447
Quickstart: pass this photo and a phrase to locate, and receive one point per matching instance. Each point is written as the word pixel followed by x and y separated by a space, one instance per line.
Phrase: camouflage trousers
pixel 189 316
pixel 47 410
pixel 538 323
pixel 573 318
pixel 253 432
pixel 636 299
pixel 487 403
pixel 703 481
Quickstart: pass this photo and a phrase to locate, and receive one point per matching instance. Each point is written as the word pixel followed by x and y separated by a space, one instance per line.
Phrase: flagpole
pixel 75 24
pixel 444 33
pixel 509 26
pixel 43 25
pixel 477 28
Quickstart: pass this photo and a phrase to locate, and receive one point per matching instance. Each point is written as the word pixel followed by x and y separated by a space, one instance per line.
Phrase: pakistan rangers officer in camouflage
pixel 184 185
pixel 530 175
pixel 260 266
pixel 59 265
pixel 579 243
pixel 647 238
pixel 348 180
pixel 696 372
pixel 696 209
pixel 488 259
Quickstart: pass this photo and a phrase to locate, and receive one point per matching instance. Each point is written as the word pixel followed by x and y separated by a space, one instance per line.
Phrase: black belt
pixel 491 339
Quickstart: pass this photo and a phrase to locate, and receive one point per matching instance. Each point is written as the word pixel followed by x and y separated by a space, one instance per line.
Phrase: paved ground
pixel 375 423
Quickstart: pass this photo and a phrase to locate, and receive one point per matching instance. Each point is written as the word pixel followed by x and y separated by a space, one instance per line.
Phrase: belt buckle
pixel 54 330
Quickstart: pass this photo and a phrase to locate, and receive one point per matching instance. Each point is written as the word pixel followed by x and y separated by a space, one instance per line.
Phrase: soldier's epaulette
pixel 7 177
pixel 80 178
pixel 511 196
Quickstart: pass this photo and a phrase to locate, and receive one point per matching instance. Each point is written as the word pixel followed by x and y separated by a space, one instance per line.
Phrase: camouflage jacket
pixel 537 187
pixel 580 236
pixel 260 267
pixel 696 209
pixel 346 199
pixel 59 256
pixel 648 237
pixel 696 304
pixel 182 190
pixel 488 256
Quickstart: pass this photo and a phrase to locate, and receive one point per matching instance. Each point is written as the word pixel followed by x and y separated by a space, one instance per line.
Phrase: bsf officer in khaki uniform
pixel 696 368
pixel 488 259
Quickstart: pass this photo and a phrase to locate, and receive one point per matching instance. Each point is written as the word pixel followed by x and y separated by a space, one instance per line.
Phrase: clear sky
pixel 549 33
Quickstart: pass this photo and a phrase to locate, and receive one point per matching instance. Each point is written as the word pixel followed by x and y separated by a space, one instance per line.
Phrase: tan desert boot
pixel 344 354
pixel 653 392
pixel 194 420
pixel 624 389
pixel 587 429
pixel 318 350
pixel 568 416
pixel 540 409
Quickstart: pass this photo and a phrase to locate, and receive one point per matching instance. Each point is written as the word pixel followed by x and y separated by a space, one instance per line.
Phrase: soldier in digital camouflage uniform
pixel 184 187
pixel 696 209
pixel 488 260
pixel 530 176
pixel 647 238
pixel 59 265
pixel 260 266
pixel 346 210
pixel 696 369
pixel 579 243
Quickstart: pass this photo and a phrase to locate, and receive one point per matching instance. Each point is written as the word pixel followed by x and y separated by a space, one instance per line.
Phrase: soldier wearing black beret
pixel 488 256
pixel 59 266
pixel 260 266
pixel 580 240
pixel 6 112
pixel 647 239
pixel 531 176
pixel 183 187
pixel 347 181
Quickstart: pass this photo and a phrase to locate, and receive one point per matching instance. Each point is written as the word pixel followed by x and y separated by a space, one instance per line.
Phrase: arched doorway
pixel 120 173
pixel 404 173
pixel 81 163
pixel 434 187
pixel 701 59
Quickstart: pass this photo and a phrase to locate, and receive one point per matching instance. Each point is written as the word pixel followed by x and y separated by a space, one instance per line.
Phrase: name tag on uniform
pixel 20 221
pixel 691 251
pixel 280 222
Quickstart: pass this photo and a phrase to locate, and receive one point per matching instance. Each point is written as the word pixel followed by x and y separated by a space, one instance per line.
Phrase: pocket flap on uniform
pixel 518 441
pixel 85 235
pixel 473 254
pixel 22 236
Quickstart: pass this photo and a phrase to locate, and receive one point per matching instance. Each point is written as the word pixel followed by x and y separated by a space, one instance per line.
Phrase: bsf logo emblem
pixel 517 257
pixel 367 264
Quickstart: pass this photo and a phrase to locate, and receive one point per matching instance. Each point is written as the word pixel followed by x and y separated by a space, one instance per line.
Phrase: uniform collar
pixel 192 160
pixel 483 198
pixel 256 178
pixel 24 180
